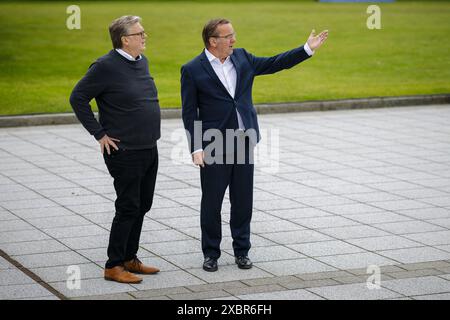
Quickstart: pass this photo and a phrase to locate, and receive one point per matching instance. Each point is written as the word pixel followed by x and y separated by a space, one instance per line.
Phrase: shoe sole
pixel 211 270
pixel 135 272
pixel 111 279
pixel 245 267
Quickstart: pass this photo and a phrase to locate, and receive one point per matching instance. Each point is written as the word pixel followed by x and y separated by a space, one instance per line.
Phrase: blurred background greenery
pixel 41 60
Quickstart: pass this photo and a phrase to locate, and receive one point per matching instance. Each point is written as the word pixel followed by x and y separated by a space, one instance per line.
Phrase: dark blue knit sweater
pixel 127 100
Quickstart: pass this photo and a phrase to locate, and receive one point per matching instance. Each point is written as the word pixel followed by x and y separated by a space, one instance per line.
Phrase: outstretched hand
pixel 314 42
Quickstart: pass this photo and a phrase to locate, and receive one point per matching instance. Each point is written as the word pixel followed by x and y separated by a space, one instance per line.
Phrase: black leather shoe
pixel 210 264
pixel 243 262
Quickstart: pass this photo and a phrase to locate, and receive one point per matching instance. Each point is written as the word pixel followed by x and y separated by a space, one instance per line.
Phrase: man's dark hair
pixel 209 30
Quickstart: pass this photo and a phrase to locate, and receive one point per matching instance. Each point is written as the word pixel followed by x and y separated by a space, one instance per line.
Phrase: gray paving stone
pixel 175 247
pixel 66 192
pixel 373 197
pixel 351 279
pixel 256 240
pixel 445 276
pixel 445 222
pixel 401 205
pixel 77 243
pixel 439 296
pixel 218 286
pixel 274 226
pixel 426 265
pixel 407 227
pixel 349 209
pixel 293 237
pixel 156 293
pixel 415 255
pixel 378 217
pixel 38 213
pixel 77 231
pixel 422 193
pixel 62 273
pixel 277 205
pixel 199 295
pixel 195 260
pixel 358 291
pixel 356 260
pixel 255 289
pixel 168 279
pixel 51 259
pixel 415 273
pixel 351 232
pixel 117 296
pixel 28 204
pixel 438 201
pixel 393 186
pixel 56 222
pixel 418 286
pixel 270 280
pixel 22 236
pixel 82 199
pixel 302 284
pixel 14 277
pixel 4 264
pixel 431 238
pixel 180 221
pixel 383 243
pixel 41 298
pixel 228 273
pixel 323 275
pixel 325 222
pixel 272 253
pixel 293 267
pixel 325 201
pixel 162 236
pixel 15 225
pixel 93 287
pixel 299 213
pixel 92 208
pixel 299 294
pixel 12 292
pixel 325 248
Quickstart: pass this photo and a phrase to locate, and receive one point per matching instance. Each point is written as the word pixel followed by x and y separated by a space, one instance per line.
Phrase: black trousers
pixel 215 178
pixel 134 173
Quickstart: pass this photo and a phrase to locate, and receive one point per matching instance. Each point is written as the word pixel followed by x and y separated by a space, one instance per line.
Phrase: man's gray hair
pixel 119 28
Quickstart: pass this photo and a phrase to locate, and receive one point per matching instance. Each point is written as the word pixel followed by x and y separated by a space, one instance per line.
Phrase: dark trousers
pixel 215 178
pixel 134 173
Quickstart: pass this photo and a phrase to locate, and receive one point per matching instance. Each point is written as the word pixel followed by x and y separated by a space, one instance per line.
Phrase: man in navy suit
pixel 216 92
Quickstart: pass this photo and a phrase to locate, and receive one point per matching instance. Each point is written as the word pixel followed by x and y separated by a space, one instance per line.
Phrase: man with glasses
pixel 216 92
pixel 127 131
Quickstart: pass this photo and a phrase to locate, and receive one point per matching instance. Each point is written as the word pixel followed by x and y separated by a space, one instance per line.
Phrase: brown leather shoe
pixel 119 274
pixel 137 266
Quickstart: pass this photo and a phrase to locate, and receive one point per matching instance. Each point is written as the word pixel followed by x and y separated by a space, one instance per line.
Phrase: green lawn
pixel 40 60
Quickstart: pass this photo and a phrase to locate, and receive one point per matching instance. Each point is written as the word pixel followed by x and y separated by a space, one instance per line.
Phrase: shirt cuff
pixel 198 150
pixel 308 49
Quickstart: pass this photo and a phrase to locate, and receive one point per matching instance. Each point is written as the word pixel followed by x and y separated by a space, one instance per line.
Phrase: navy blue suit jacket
pixel 205 99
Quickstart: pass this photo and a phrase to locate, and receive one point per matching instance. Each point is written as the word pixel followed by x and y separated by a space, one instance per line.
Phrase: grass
pixel 41 60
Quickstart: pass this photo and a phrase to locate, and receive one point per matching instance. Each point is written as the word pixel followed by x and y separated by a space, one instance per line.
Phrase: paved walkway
pixel 350 189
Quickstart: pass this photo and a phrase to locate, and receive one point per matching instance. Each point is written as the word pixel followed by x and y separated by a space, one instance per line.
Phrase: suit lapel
pixel 237 66
pixel 209 69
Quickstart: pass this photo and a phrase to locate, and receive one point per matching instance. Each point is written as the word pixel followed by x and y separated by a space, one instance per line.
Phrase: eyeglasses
pixel 142 34
pixel 228 36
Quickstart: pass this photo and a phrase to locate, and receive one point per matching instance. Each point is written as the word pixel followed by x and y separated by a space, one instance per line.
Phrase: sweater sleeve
pixel 89 87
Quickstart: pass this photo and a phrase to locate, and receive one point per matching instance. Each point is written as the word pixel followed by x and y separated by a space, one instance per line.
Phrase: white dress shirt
pixel 128 56
pixel 226 72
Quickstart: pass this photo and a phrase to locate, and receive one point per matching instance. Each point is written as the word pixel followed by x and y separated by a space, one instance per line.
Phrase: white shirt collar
pixel 212 57
pixel 128 56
